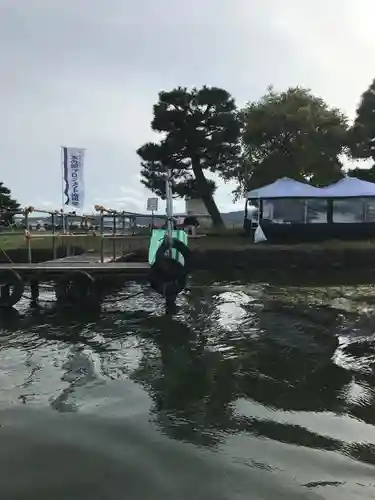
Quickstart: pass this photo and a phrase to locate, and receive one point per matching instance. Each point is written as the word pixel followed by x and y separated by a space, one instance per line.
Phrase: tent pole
pixel 305 211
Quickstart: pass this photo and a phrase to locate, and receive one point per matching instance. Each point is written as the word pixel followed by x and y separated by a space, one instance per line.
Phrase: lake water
pixel 251 391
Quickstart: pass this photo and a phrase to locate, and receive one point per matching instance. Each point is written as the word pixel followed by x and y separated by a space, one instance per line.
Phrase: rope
pixel 6 255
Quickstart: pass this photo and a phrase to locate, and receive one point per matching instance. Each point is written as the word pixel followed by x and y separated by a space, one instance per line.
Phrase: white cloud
pixel 92 77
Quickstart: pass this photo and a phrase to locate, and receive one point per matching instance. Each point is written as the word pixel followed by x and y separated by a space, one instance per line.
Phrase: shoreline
pixel 234 255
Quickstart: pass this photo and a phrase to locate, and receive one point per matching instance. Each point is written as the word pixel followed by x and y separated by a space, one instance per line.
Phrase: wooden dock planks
pixel 89 263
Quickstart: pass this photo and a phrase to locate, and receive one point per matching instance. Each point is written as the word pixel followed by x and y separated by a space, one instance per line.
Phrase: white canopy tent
pixel 287 201
pixel 285 188
pixel 284 200
pixel 349 187
pixel 353 200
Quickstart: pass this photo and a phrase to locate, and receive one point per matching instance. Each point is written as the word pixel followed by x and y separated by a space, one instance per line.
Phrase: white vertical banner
pixel 73 178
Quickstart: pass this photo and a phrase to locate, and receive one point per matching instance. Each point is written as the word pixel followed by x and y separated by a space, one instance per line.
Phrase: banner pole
pixel 72 181
pixel 169 209
pixel 62 188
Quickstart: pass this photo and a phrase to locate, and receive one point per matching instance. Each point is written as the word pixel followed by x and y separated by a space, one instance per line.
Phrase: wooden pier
pixel 78 280
pixel 85 263
pixel 84 279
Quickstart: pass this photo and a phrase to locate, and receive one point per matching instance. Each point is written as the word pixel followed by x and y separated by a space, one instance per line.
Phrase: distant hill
pixel 235 218
pixel 230 218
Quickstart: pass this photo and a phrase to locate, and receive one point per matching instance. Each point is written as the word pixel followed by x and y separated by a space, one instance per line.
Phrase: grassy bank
pixel 224 240
pixel 14 247
pixel 90 243
pixel 214 251
pixel 240 243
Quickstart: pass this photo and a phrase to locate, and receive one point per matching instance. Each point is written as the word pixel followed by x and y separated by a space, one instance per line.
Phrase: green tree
pixel 201 130
pixel 361 136
pixel 7 205
pixel 293 134
pixel 365 174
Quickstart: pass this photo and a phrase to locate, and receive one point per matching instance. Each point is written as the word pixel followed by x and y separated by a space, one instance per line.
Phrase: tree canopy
pixel 365 174
pixel 293 134
pixel 201 129
pixel 361 136
pixel 7 204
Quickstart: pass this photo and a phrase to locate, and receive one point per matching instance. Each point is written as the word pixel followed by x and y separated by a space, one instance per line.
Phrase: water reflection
pixel 293 365
pixel 192 386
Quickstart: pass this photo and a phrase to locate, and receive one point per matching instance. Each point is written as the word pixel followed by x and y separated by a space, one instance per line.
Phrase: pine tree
pixel 201 129
pixel 7 205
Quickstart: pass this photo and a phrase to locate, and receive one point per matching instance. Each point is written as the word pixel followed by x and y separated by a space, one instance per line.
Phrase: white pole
pixel 169 207
pixel 62 188
pixel 305 211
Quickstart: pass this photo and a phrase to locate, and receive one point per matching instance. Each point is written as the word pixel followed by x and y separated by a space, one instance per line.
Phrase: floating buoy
pixel 168 275
pixel 168 256
pixel 180 248
pixel 11 288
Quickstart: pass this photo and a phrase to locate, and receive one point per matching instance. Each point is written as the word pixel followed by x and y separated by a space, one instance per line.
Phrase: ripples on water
pixel 250 391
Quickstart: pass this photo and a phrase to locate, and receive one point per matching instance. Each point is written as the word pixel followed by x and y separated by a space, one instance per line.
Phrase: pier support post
pixel 77 289
pixel 34 290
pixel 101 236
pixel 4 293
pixel 170 304
pixel 114 236
pixel 11 288
pixel 53 236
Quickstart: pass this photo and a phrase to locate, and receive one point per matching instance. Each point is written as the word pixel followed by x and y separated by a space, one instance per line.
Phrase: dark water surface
pixel 251 391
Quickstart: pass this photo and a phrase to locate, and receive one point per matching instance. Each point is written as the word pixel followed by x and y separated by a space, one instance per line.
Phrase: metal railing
pixel 62 227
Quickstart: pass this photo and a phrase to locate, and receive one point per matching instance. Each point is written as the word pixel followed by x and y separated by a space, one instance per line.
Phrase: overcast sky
pixel 86 73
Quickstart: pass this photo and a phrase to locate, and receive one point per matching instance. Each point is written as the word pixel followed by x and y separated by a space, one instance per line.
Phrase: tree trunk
pixel 204 191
